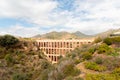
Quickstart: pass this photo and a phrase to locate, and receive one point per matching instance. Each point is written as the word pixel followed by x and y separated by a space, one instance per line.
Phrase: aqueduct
pixel 55 48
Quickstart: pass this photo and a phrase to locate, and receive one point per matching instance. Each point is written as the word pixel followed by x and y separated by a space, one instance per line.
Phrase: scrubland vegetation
pixel 97 61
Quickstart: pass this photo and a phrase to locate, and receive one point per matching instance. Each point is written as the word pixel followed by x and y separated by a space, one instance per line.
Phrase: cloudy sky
pixel 30 17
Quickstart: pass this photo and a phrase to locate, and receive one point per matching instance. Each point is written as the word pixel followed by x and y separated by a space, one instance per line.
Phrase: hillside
pixel 96 61
pixel 107 33
pixel 81 35
pixel 62 35
pixel 75 35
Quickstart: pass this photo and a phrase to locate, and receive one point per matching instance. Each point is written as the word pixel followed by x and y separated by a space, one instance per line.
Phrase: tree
pixel 8 41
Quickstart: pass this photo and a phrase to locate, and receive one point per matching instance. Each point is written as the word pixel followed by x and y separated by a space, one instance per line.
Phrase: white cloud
pixel 88 16
pixel 18 30
pixel 35 11
pixel 94 15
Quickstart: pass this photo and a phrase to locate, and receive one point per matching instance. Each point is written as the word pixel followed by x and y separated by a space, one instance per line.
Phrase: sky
pixel 27 18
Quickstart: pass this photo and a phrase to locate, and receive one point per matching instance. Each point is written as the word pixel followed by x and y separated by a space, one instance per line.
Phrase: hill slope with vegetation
pixel 107 33
pixel 62 35
pixel 75 35
pixel 97 61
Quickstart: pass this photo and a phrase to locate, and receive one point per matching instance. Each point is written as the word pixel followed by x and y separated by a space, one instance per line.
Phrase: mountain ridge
pixel 74 35
pixel 62 35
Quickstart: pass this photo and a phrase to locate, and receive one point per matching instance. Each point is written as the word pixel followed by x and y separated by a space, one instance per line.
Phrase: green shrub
pixel 77 61
pixel 90 65
pixel 19 76
pixel 117 49
pixel 9 59
pixel 113 54
pixel 67 68
pixel 8 41
pixel 54 75
pixel 108 41
pixel 44 75
pixel 79 78
pixel 104 48
pixel 102 77
pixel 94 66
pixel 20 56
pixel 1 64
pixel 99 60
pixel 70 70
pixel 116 71
pixel 71 55
pixel 97 40
pixel 2 52
pixel 86 55
pixel 115 39
pixel 69 78
pixel 45 65
pixel 91 50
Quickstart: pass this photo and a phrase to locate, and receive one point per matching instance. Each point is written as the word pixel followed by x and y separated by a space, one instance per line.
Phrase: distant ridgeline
pixel 62 35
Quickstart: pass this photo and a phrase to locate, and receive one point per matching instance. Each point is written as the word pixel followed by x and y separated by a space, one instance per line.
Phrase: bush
pixel 8 41
pixel 77 61
pixel 113 54
pixel 9 59
pixel 55 75
pixel 116 71
pixel 108 41
pixel 45 65
pixel 94 66
pixel 102 77
pixel 104 48
pixel 91 50
pixel 79 78
pixel 115 39
pixel 69 78
pixel 19 76
pixel 71 55
pixel 111 63
pixel 97 40
pixel 44 75
pixel 69 70
pixel 2 52
pixel 99 60
pixel 86 55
